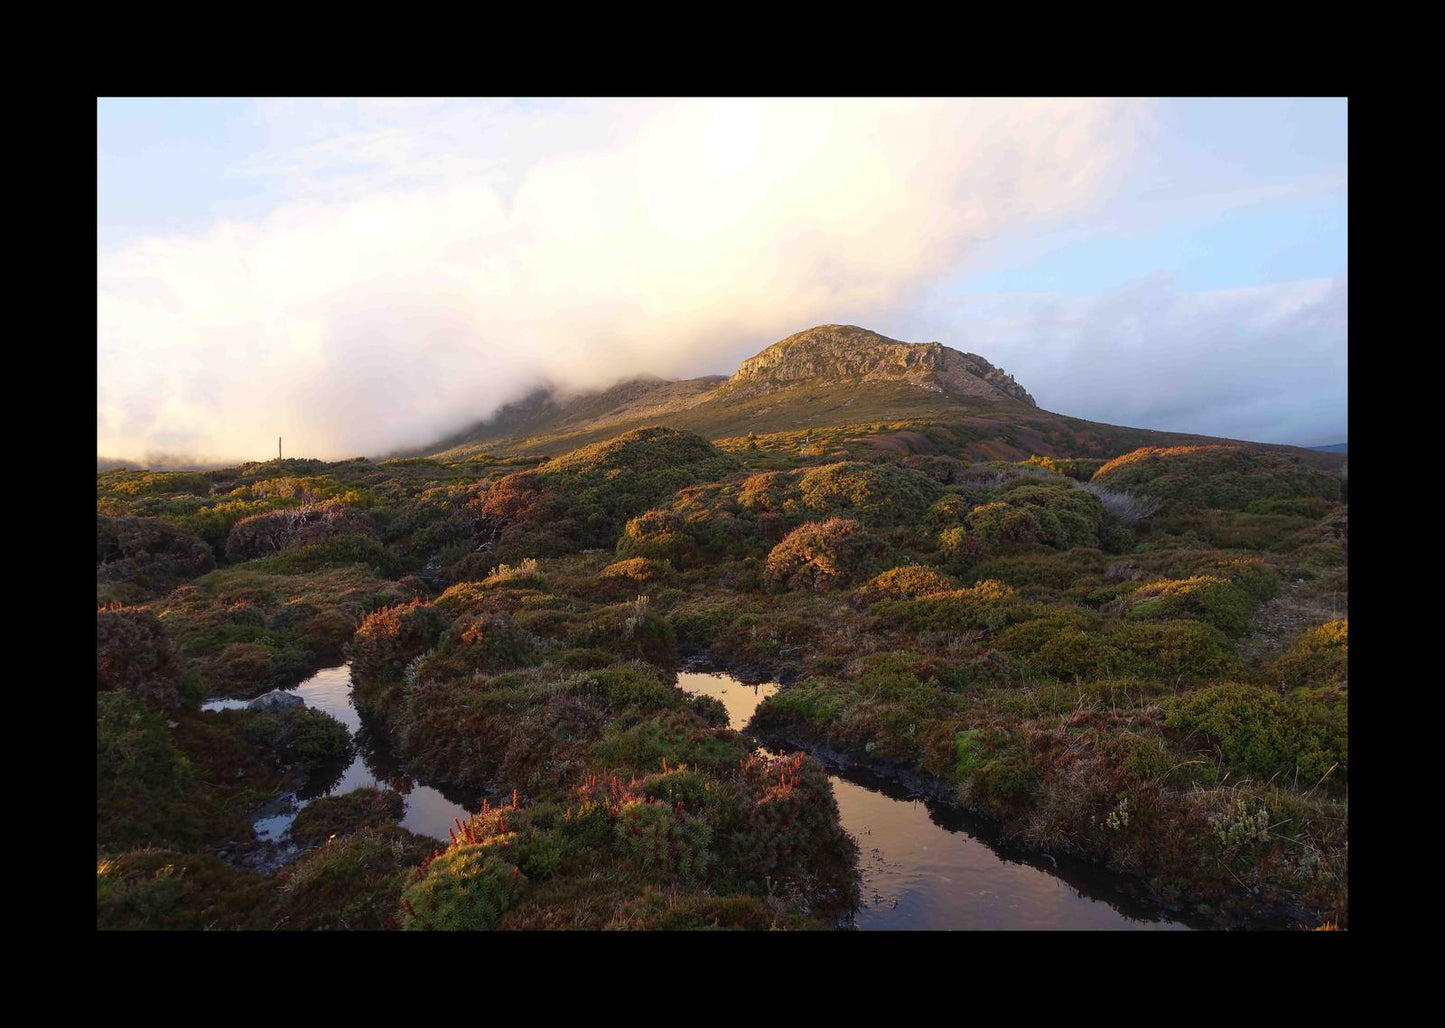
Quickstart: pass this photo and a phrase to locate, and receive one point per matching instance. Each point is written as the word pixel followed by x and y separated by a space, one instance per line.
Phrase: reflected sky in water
pixel 923 869
pixel 428 811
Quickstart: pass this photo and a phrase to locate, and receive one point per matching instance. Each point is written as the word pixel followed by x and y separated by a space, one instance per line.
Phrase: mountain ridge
pixel 828 376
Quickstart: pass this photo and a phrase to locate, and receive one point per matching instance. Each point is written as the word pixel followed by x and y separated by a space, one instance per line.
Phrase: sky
pixel 367 275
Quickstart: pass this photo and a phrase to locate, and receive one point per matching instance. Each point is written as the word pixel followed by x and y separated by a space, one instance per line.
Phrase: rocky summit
pixel 827 375
pixel 836 354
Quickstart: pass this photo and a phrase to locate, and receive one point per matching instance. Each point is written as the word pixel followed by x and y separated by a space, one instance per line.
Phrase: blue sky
pixel 1174 264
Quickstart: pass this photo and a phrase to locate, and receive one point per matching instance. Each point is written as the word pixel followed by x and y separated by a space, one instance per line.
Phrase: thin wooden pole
pixel 278 447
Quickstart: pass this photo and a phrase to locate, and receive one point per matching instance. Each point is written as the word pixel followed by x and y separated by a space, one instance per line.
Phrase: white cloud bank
pixel 397 307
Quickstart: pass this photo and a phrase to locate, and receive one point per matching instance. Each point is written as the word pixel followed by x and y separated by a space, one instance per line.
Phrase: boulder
pixel 276 699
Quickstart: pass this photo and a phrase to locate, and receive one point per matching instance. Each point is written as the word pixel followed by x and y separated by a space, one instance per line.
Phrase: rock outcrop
pixel 831 354
pixel 276 699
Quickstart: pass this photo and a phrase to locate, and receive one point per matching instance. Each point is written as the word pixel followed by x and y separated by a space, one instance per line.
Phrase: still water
pixel 925 866
pixel 428 811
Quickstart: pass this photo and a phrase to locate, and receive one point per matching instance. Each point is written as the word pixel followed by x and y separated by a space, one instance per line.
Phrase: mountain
pixel 1332 448
pixel 846 354
pixel 832 376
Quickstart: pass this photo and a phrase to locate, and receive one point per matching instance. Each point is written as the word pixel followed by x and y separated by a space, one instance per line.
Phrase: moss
pixel 970 753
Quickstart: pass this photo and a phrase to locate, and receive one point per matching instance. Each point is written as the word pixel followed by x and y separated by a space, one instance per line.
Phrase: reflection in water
pixel 428 811
pixel 739 698
pixel 926 866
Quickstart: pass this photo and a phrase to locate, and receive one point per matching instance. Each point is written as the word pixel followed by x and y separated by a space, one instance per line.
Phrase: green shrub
pixel 1062 644
pixel 1184 649
pixel 961 549
pixel 638 571
pixel 987 606
pixel 1026 510
pixel 905 583
pixel 586 496
pixel 1298 737
pixel 352 883
pixel 484 642
pixel 631 631
pixel 1210 598
pixel 1294 506
pixel 948 511
pixel 350 812
pixel 1052 570
pixel 143 780
pixel 788 832
pixel 337 551
pixel 623 685
pixel 303 736
pixel 872 494
pixel 678 736
pixel 666 837
pixel 1318 656
pixel 1001 523
pixel 659 536
pixel 160 889
pixel 1224 477
pixel 467 888
pixel 261 535
pixel 525 575
pixel 155 483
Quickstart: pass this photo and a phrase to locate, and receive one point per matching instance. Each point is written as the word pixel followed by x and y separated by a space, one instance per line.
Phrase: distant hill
pixel 1332 448
pixel 831 376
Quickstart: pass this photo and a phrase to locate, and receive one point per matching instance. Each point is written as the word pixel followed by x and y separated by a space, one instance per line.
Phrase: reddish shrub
pixel 389 639
pixel 133 653
pixel 825 555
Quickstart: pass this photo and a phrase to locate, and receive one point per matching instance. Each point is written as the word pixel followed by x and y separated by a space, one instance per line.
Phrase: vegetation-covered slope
pixel 834 379
pixel 1138 657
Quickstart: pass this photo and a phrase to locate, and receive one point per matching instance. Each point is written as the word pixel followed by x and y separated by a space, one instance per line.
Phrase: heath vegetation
pixel 1138 658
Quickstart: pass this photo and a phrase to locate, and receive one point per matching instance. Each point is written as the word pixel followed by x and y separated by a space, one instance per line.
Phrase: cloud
pixel 440 259
pixel 1267 363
